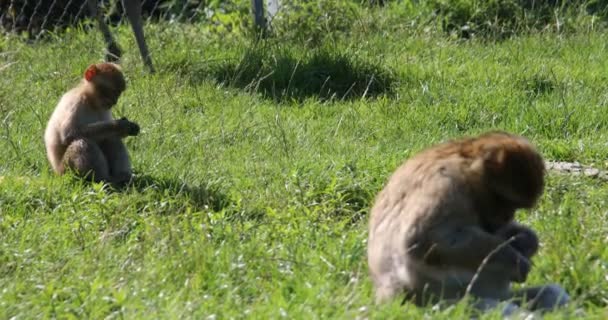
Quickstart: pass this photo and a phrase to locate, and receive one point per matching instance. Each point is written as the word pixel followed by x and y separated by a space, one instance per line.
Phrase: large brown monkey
pixel 443 226
pixel 82 135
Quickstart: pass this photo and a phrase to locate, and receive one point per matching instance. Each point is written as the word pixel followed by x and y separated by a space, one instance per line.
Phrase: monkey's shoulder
pixel 73 112
pixel 423 191
pixel 429 172
pixel 419 188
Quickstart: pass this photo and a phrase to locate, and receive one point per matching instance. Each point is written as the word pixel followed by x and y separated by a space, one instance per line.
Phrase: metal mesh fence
pixel 34 17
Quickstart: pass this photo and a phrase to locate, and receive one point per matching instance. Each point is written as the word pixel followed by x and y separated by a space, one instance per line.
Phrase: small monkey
pixel 82 135
pixel 443 226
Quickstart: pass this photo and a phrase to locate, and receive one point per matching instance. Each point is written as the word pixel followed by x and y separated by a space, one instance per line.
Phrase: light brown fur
pixel 82 135
pixel 446 216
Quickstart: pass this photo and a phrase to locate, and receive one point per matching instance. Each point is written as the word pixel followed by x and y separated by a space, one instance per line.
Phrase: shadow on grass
pixel 281 76
pixel 201 196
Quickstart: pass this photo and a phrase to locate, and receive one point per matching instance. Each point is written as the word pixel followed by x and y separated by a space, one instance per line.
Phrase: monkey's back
pixel 429 189
pixel 53 131
pixel 71 112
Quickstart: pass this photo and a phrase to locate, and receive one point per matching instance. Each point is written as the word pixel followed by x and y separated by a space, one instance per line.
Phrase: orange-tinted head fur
pixel 512 173
pixel 108 82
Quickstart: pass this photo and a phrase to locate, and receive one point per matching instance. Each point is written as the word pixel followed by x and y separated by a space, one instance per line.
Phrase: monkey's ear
pixel 91 72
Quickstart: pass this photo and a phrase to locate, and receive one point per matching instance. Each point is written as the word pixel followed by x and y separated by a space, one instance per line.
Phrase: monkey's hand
pixel 520 272
pixel 525 240
pixel 130 128
pixel 469 247
pixel 526 243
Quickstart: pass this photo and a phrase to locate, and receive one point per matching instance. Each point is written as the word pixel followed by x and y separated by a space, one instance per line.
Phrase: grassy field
pixel 256 173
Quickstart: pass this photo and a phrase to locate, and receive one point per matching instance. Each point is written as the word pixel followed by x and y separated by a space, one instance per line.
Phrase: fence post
pixel 258 16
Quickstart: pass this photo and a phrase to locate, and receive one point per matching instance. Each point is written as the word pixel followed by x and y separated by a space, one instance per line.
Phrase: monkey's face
pixel 111 84
pixel 521 181
pixel 496 213
pixel 515 173
pixel 108 82
pixel 512 177
pixel 110 90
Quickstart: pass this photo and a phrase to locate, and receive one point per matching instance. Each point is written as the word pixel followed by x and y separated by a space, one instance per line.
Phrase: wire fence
pixel 35 17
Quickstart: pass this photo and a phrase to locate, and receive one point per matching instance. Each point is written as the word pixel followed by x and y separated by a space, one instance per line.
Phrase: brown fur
pixel 445 218
pixel 82 135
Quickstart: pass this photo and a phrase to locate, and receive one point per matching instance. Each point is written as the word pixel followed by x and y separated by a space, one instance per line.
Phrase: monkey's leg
pixel 133 8
pixel 119 163
pixel 114 52
pixel 87 160
pixel 542 298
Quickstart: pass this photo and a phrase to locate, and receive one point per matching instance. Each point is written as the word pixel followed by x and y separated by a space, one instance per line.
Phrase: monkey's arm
pixel 467 247
pixel 102 130
pixel 524 240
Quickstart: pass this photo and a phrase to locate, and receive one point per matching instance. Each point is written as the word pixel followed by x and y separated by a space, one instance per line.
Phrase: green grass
pixel 256 174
